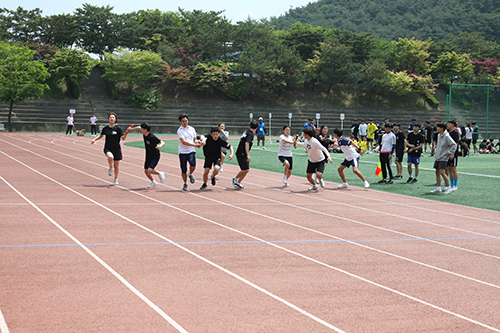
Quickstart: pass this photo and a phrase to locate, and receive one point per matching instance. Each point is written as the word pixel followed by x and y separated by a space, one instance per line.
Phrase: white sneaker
pixel 436 190
pixel 152 184
pixel 115 182
pixel 221 169
pixel 161 175
pixel 258 148
pixel 454 188
pixel 343 185
pixel 285 179
pixel 366 184
pixel 263 148
pixel 447 190
pixel 287 184
pixel 313 188
pixel 110 172
pixel 322 183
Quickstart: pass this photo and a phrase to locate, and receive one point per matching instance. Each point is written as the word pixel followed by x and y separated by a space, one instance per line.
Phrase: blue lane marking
pixel 255 242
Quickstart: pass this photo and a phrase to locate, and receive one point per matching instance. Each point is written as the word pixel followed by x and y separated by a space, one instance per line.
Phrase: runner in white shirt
pixel 316 152
pixel 188 142
pixel 351 158
pixel 285 153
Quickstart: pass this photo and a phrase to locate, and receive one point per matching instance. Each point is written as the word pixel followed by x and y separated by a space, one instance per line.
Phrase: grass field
pixel 478 179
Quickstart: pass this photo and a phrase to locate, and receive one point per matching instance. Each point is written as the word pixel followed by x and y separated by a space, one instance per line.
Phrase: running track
pixel 81 255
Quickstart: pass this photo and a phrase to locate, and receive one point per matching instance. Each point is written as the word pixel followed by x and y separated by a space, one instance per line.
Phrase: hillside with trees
pixel 393 19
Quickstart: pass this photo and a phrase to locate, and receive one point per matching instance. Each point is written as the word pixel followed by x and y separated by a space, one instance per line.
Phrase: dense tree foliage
pixel 421 19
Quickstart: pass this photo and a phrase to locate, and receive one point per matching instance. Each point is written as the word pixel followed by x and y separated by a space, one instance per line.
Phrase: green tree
pixel 335 63
pixel 21 25
pixel 412 55
pixel 70 67
pixel 96 30
pixel 452 66
pixel 209 78
pixel 133 68
pixel 21 77
pixel 59 30
pixel 304 38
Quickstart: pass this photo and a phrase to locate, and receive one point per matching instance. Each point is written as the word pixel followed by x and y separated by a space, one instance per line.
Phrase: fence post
pixel 487 108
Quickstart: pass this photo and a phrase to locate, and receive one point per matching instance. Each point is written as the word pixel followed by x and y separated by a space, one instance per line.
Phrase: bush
pixel 431 100
pixel 145 99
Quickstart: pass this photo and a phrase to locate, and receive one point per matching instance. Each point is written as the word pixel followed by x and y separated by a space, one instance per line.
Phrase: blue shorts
pixel 413 160
pixel 185 158
pixel 354 162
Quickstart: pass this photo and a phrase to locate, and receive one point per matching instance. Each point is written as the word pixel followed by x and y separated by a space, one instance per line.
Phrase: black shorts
pixel 242 162
pixel 151 163
pixel 428 139
pixel 117 153
pixel 399 155
pixel 211 161
pixel 453 162
pixel 315 167
pixel 286 158
pixel 440 165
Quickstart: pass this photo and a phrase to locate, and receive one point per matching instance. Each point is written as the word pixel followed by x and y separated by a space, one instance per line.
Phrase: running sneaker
pixel 436 190
pixel 263 148
pixel 152 184
pixel 322 183
pixel 239 186
pixel 110 172
pixel 203 187
pixel 233 180
pixel 221 169
pixel 366 184
pixel 214 181
pixel 383 181
pixel 447 190
pixel 390 182
pixel 313 188
pixel 285 179
pixel 287 184
pixel 414 180
pixel 161 175
pixel 191 179
pixel 398 177
pixel 410 179
pixel 454 188
pixel 343 185
pixel 185 187
pixel 115 182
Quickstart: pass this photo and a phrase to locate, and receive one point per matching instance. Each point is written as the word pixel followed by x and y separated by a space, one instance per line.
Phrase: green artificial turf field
pixel 478 176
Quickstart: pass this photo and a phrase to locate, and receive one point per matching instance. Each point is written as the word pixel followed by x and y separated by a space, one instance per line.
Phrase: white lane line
pixel 3 324
pixel 93 255
pixel 282 248
pixel 151 304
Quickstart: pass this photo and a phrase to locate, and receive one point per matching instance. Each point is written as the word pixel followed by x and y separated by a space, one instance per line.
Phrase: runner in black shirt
pixel 212 144
pixel 112 149
pixel 243 154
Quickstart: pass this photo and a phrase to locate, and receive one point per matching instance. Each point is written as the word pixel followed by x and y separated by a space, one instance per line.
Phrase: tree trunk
pixel 10 115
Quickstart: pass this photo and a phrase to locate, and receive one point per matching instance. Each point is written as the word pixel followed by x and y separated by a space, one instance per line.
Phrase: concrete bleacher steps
pixel 49 115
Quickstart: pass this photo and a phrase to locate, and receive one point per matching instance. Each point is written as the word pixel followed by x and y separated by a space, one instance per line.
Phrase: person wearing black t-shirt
pixel 112 148
pixel 243 154
pixel 451 170
pixel 212 144
pixel 153 146
pixel 414 144
pixel 400 150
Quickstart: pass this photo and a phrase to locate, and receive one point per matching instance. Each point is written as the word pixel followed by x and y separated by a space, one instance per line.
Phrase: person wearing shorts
pixel 212 144
pixel 349 148
pixel 112 149
pixel 261 134
pixel 445 148
pixel 285 154
pixel 243 154
pixel 153 145
pixel 400 150
pixel 414 144
pixel 316 152
pixel 371 129
pixel 451 171
pixel 188 142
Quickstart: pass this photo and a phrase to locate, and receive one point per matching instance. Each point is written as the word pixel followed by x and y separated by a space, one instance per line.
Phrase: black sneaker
pixel 390 182
pixel 213 181
pixel 191 178
pixel 185 187
pixel 409 180
pixel 414 180
pixel 398 177
pixel 383 181
pixel 203 187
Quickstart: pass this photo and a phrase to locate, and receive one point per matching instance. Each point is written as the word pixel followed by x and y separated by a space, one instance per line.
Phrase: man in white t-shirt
pixel 363 130
pixel 188 142
pixel 317 160
pixel 93 125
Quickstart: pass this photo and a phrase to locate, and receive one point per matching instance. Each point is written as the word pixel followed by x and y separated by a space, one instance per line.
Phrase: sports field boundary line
pixel 3 324
pixel 277 246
